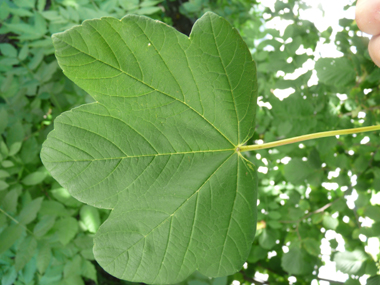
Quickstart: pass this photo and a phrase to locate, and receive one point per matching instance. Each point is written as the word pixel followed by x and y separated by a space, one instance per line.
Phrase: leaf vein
pixel 229 223
pixel 179 207
pixel 228 79
pixel 120 120
pixel 163 93
pixel 164 62
pixel 74 126
pixel 142 74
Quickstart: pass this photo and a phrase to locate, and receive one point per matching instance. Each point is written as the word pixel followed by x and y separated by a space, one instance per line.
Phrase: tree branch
pixel 252 280
pixel 331 281
pixel 312 213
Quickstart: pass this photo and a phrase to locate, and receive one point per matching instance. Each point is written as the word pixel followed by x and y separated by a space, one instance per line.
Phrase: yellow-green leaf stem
pixel 308 137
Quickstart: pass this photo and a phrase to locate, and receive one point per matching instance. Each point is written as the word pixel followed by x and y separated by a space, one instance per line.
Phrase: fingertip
pixel 374 49
pixel 367 15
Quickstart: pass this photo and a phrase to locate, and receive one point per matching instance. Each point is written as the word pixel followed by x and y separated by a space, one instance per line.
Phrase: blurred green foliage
pixel 46 235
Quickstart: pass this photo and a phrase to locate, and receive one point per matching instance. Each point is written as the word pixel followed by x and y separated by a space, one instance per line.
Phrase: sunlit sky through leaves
pixel 323 13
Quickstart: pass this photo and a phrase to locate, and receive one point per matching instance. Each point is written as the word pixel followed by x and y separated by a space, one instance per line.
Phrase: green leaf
pixel 312 246
pixel 274 215
pixel 53 208
pixel 274 224
pixel 7 83
pixel 66 229
pixel 363 200
pixel 314 159
pixel 374 76
pixel 29 212
pixel 9 202
pixel 9 277
pixel 7 164
pixel 3 185
pixel 159 144
pixel 63 196
pixel 352 282
pixel 14 148
pixel 8 61
pixel 73 267
pixel 219 281
pixel 361 163
pixel 25 252
pixel 257 253
pixel 37 58
pixel 148 10
pixel 87 253
pixel 24 3
pixel 304 205
pixel 73 280
pixel 296 261
pixel 43 258
pixel 3 220
pixel 129 4
pixel 9 236
pixel 16 133
pixel 374 280
pixel 4 149
pixel 372 212
pixel 41 5
pixel 89 270
pixel 44 225
pixel 372 231
pixel 268 238
pixel 29 151
pixel 8 50
pixel 90 218
pixel 330 222
pixel 28 273
pixel 296 171
pixel 3 119
pixel 34 178
pixel 371 267
pixel 4 11
pixel 83 241
pixel 197 282
pixel 53 275
pixel 350 262
pixel 335 71
pixel 46 71
pixel 40 25
pixel 149 3
pixel 26 32
pixel 24 51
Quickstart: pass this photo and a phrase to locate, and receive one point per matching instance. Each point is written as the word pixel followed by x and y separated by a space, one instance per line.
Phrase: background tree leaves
pixel 335 71
pixel 297 261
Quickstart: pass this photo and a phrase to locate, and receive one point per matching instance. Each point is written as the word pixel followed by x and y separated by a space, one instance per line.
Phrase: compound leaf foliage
pixel 160 144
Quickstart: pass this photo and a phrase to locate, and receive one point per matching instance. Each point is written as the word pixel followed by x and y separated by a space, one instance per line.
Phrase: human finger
pixel 367 15
pixel 374 49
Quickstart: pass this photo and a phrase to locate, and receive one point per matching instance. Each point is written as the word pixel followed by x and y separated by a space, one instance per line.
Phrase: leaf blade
pixel 160 144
